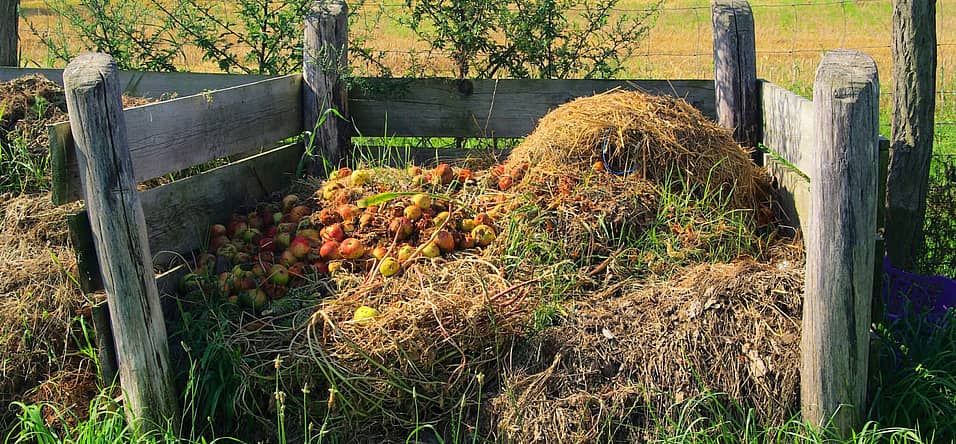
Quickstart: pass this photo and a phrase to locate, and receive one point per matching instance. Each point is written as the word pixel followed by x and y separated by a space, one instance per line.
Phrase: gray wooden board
pixel 488 108
pixel 788 131
pixel 153 85
pixel 170 136
pixel 178 215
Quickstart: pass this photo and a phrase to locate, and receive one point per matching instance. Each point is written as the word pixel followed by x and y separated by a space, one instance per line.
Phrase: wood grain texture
pixel 839 240
pixel 179 214
pixel 911 139
pixel 170 136
pixel 324 61
pixel 787 131
pixel 84 246
pixel 9 39
pixel 735 69
pixel 152 85
pixel 119 227
pixel 488 108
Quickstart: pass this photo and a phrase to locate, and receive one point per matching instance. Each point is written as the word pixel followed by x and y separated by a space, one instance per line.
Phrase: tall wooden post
pixel 93 99
pixel 9 22
pixel 911 140
pixel 840 240
pixel 735 70
pixel 325 59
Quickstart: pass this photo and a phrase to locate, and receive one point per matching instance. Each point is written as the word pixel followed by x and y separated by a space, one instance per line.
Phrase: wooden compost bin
pixel 103 152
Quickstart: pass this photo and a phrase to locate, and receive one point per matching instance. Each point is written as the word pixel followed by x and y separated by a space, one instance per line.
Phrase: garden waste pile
pixel 621 259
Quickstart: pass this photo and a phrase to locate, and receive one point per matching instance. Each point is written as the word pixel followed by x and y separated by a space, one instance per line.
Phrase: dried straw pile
pixel 38 302
pixel 614 369
pixel 453 331
pixel 659 138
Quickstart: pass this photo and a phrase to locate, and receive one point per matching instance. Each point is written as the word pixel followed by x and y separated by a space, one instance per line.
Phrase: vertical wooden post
pixel 93 99
pixel 735 70
pixel 325 60
pixel 839 240
pixel 911 141
pixel 9 22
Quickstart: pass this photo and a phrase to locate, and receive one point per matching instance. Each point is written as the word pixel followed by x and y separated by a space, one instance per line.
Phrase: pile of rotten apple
pixel 357 221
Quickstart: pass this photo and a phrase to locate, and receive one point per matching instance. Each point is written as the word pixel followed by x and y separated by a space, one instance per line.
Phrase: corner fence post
pixel 93 98
pixel 735 71
pixel 840 241
pixel 325 59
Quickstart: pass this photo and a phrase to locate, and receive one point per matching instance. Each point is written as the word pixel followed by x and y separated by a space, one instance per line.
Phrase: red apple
pixel 352 248
pixel 330 249
pixel 445 241
pixel 300 247
pixel 334 232
pixel 505 182
pixel 271 231
pixel 379 252
pixel 445 172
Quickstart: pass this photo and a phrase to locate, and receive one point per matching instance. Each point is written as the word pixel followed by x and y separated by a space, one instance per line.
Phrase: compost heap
pixel 43 313
pixel 38 300
pixel 546 295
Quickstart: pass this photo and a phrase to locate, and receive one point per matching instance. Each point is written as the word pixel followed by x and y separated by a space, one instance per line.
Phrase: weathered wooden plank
pixel 95 106
pixel 914 108
pixel 88 267
pixel 324 62
pixel 787 131
pixel 169 136
pixel 487 108
pixel 839 240
pixel 178 215
pixel 152 85
pixel 9 21
pixel 735 68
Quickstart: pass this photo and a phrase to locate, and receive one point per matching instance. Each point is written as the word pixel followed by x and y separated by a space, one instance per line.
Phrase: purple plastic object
pixel 906 293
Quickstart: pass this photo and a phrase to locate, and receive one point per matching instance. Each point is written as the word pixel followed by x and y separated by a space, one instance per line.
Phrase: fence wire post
pixel 840 241
pixel 94 102
pixel 735 71
pixel 324 64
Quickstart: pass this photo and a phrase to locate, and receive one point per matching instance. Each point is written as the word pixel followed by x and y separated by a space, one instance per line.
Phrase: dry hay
pixel 620 360
pixel 658 137
pixel 38 299
pixel 444 326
